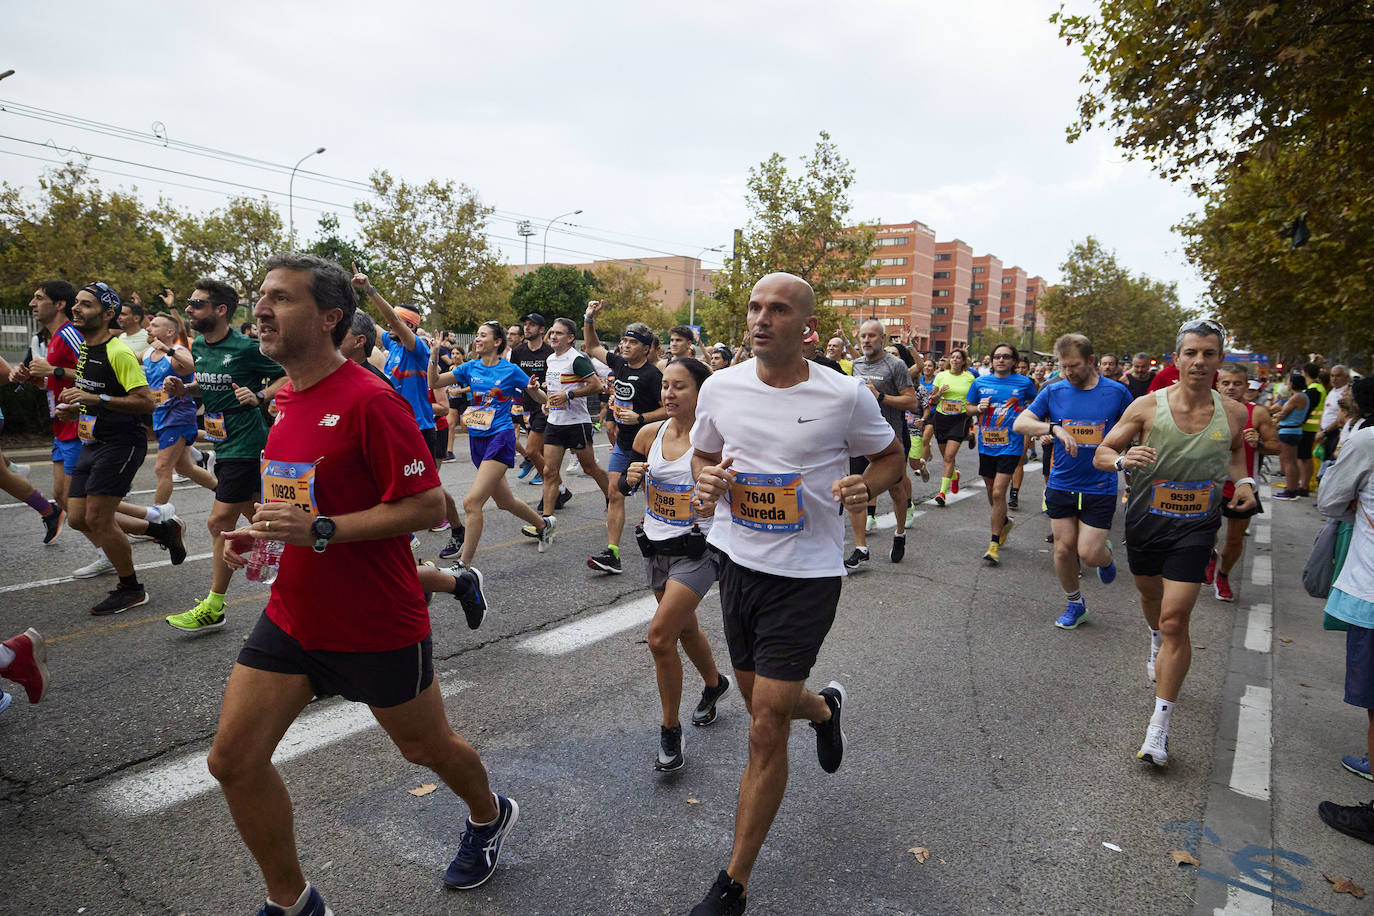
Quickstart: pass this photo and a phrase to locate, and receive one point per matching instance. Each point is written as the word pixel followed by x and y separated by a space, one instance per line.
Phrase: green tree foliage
pixel 554 291
pixel 331 243
pixel 77 231
pixel 231 243
pixel 430 250
pixel 799 224
pixel 1119 312
pixel 628 294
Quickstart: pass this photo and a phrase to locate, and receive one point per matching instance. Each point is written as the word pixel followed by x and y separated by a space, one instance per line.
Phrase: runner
pixel 681 345
pixel 1110 367
pixel 231 373
pixel 495 384
pixel 951 423
pixel 638 402
pixel 109 395
pixel 532 358
pixel 1019 475
pixel 346 615
pixel 680 566
pixel 1139 378
pixel 998 399
pixel 24 660
pixel 1078 410
pixel 174 418
pixel 358 342
pixel 52 357
pixel 887 380
pixel 12 483
pixel 1261 437
pixel 781 541
pixel 1316 395
pixel 1290 418
pixel 571 379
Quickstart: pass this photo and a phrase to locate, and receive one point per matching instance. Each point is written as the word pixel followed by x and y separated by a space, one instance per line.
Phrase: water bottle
pixel 264 560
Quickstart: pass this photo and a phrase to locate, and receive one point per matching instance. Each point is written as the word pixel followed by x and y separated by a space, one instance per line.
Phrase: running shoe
pixel 5 701
pixel 452 549
pixel 414 543
pixel 1049 538
pixel 314 906
pixel 910 515
pixel 1352 820
pixel 1006 531
pixel 30 666
pixel 1073 615
pixel 1211 569
pixel 954 484
pixel 725 898
pixel 21 469
pixel 925 473
pixel 991 558
pixel 1150 662
pixel 546 536
pixel 605 561
pixel 857 558
pixel 448 456
pixel 536 481
pixel 1359 765
pixel 1222 585
pixel 705 713
pixel 1285 494
pixel 940 499
pixel 204 616
pixel 1107 574
pixel 871 524
pixel 52 523
pixel 525 469
pixel 669 749
pixel 468 592
pixel 564 497
pixel 1014 501
pixel 203 462
pixel 171 540
pixel 898 548
pixel 442 526
pixel 1156 747
pixel 480 847
pixel 830 739
pixel 98 567
pixel 120 600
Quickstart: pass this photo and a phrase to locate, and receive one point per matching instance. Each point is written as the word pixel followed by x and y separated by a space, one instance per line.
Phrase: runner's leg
pixel 1092 545
pixel 1065 531
pixel 1176 600
pixel 676 621
pixel 587 458
pixel 1234 545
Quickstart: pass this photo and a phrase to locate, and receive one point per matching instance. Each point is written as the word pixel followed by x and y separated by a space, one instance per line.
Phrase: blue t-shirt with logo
pixel 408 372
pixel 1087 416
pixel 173 412
pixel 511 383
pixel 1009 396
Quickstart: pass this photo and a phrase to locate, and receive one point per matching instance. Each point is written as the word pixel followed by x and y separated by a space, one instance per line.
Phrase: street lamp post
pixel 6 73
pixel 546 231
pixel 692 302
pixel 291 196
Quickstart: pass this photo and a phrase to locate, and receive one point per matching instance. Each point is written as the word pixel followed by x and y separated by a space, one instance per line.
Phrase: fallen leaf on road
pixel 1183 857
pixel 1345 886
pixel 1199 647
pixel 1112 846
pixel 693 801
pixel 920 852
pixel 1284 639
pixel 1301 684
pixel 424 789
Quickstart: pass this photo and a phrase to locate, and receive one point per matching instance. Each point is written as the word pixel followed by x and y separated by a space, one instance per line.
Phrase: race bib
pixel 214 427
pixel 949 406
pixel 289 482
pixel 159 397
pixel 996 435
pixel 517 410
pixel 767 502
pixel 1181 498
pixel 670 502
pixel 85 427
pixel 479 418
pixel 272 410
pixel 1085 433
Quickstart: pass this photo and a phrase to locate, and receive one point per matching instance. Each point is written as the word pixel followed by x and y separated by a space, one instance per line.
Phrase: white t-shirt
pixel 567 373
pixel 790 445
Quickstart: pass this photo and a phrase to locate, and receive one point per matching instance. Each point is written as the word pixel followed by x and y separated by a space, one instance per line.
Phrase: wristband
pixel 262 397
pixel 1118 462
pixel 588 319
pixel 623 485
pixel 1249 480
pixel 371 290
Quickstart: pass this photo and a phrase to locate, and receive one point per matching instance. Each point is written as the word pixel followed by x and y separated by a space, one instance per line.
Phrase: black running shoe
pixel 1014 501
pixel 171 540
pixel 898 547
pixel 564 497
pixel 856 558
pixel 725 898
pixel 705 713
pixel 606 562
pixel 669 749
pixel 829 735
pixel 1352 820
pixel 468 592
pixel 52 524
pixel 120 600
pixel 203 462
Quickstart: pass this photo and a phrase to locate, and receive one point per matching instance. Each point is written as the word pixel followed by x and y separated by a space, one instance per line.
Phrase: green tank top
pixel 1177 500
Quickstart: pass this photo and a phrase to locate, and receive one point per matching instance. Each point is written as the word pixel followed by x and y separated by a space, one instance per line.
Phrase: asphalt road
pixel 977 730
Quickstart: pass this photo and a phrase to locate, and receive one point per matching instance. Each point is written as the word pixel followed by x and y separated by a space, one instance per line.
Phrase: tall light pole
pixel 291 196
pixel 692 307
pixel 6 73
pixel 525 230
pixel 546 231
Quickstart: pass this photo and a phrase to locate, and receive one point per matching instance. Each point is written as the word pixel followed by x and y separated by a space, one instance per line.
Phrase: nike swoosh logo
pixel 812 420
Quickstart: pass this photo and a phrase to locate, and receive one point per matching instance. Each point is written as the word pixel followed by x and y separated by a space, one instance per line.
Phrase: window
pixel 940 310
pixel 1007 281
pixel 887 300
pixel 887 262
pixel 897 240
pixel 1006 295
pixel 1005 309
pixel 980 270
pixel 940 293
pixel 942 275
pixel 976 318
pixel 937 329
pixel 945 256
pixel 889 281
pixel 978 286
pixel 975 302
pixel 843 303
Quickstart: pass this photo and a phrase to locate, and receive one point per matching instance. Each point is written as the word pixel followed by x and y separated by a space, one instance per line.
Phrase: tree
pixel 628 294
pixel 430 250
pixel 332 244
pixel 554 290
pixel 231 244
pixel 797 224
pixel 77 231
pixel 1119 313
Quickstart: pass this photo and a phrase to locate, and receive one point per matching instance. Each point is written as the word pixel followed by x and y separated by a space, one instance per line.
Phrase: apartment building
pixel 677 276
pixel 899 294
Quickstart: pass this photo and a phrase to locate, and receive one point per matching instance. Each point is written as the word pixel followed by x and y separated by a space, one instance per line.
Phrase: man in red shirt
pixel 347 477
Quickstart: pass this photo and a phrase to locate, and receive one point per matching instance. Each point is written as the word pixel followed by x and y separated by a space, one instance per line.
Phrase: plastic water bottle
pixel 264 560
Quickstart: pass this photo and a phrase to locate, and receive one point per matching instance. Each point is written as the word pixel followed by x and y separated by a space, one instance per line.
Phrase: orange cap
pixel 409 316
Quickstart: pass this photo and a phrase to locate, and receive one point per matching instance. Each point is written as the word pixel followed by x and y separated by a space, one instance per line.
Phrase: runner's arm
pixel 884 469
pixel 291 523
pixel 436 379
pixel 1268 431
pixel 591 344
pixel 1117 443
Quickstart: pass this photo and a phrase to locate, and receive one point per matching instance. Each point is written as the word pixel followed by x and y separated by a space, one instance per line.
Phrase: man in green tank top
pixel 1191 441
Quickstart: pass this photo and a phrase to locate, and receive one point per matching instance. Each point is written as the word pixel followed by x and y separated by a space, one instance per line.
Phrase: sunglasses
pixel 197 303
pixel 1203 324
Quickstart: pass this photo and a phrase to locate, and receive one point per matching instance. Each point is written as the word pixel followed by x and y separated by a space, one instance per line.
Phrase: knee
pixel 768 730
pixel 228 766
pixel 662 642
pixel 472 505
pixel 1173 626
pixel 429 754
pixel 78 521
pixel 1064 552
pixel 218 526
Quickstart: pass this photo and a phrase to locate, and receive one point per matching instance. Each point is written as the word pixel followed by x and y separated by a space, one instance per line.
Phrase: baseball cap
pixel 107 296
pixel 536 318
pixel 409 316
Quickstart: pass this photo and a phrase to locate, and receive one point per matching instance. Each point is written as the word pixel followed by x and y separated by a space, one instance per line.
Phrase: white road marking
pixel 1033 466
pixel 889 520
pixel 1254 744
pixel 965 491
pixel 1261 534
pixel 24 586
pixel 575 635
pixel 1259 629
pixel 1241 902
pixel 189 486
pixel 186 777
pixel 1262 570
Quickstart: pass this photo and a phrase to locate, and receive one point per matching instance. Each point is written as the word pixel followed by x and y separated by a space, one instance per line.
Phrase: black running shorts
pixel 575 436
pixel 1092 509
pixel 775 625
pixel 951 427
pixel 381 679
pixel 106 469
pixel 992 465
pixel 1183 562
pixel 238 480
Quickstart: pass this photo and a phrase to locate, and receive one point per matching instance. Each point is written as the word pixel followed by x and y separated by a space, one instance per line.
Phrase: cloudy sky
pixel 645 116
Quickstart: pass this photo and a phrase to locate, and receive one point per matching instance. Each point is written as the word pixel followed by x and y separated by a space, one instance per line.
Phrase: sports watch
pixel 322 528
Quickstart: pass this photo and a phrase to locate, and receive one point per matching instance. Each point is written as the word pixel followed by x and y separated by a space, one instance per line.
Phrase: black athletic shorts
pixel 106 469
pixel 380 679
pixel 437 440
pixel 238 480
pixel 1092 509
pixel 575 436
pixel 538 419
pixel 775 625
pixel 952 427
pixel 1305 445
pixel 1185 561
pixel 992 465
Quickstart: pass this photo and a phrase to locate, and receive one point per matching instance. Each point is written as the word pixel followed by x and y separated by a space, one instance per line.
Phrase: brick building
pixel 674 274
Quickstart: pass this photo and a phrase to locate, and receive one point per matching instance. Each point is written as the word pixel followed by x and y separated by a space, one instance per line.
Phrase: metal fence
pixel 16 328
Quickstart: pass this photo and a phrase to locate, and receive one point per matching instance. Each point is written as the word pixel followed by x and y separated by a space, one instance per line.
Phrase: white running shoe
pixel 910 515
pixel 1150 665
pixel 101 566
pixel 1156 747
pixel 167 511
pixel 177 478
pixel 871 524
pixel 546 537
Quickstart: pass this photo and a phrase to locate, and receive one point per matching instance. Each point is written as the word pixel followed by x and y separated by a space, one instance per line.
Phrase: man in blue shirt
pixel 998 399
pixel 1078 410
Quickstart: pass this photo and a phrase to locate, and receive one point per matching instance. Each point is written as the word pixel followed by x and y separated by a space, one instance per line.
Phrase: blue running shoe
pixel 480 848
pixel 538 481
pixel 314 906
pixel 1107 574
pixel 1073 615
pixel 1357 764
pixel 525 469
pixel 6 700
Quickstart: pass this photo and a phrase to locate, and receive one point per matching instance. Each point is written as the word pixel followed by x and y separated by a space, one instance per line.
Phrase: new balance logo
pixel 415 467
pixel 329 419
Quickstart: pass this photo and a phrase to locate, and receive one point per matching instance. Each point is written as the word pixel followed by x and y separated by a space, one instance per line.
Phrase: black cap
pixel 536 318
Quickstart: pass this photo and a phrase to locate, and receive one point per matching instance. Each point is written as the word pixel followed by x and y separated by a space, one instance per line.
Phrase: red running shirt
pixel 64 349
pixel 350 442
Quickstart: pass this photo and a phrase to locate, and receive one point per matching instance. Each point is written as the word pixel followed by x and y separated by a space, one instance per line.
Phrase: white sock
pixel 296 908
pixel 1163 709
pixel 1156 638
pixel 6 657
pixel 196 454
pixel 154 514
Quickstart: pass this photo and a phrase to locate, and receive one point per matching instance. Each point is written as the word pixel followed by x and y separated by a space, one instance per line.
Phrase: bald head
pixel 789 286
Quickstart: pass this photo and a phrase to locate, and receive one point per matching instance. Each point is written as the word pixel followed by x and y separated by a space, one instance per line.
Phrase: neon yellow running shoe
pixel 204 616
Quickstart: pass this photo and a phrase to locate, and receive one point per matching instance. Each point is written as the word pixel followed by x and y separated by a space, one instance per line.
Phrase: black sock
pixel 872 511
pixel 997 539
pixel 1014 491
pixel 129 581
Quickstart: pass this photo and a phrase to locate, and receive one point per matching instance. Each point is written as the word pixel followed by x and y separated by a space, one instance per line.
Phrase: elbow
pixel 432 507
